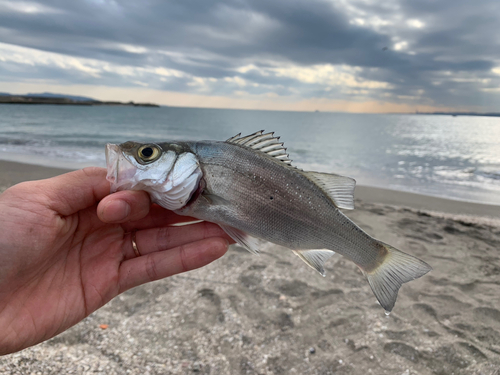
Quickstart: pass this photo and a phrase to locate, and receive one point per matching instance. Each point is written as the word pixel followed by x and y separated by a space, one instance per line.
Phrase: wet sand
pixel 271 314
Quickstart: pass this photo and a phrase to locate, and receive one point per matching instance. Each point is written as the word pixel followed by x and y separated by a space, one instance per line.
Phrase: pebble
pixel 196 367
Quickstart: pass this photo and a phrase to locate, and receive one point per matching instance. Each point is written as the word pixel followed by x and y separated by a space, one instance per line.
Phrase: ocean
pixel 437 155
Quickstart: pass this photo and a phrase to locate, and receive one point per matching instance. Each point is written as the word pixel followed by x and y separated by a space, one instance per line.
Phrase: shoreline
pixel 15 172
pixel 371 194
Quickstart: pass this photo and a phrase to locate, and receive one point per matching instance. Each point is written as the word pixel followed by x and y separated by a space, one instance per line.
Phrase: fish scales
pixel 248 187
pixel 299 215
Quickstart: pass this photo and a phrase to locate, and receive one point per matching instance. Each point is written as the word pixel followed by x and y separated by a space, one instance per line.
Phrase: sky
pixel 328 55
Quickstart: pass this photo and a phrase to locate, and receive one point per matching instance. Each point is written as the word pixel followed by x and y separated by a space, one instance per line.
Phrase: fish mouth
pixel 120 171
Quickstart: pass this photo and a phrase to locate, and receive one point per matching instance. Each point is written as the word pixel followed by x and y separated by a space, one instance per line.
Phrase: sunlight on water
pixel 454 157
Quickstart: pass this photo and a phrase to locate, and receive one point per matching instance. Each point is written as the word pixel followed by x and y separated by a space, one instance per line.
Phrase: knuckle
pixel 151 269
pixel 92 171
pixel 211 230
pixel 206 230
pixel 183 259
pixel 163 238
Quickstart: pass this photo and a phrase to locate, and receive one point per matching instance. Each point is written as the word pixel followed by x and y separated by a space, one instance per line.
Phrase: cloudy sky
pixel 348 55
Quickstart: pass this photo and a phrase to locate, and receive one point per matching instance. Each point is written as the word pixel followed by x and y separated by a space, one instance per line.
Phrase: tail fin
pixel 395 269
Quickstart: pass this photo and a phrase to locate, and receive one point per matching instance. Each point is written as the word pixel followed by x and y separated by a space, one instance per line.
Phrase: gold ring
pixel 134 244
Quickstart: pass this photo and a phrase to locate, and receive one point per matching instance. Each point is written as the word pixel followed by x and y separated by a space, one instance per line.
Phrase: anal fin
pixel 315 258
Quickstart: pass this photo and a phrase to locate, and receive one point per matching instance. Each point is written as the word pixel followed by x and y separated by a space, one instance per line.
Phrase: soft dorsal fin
pixel 266 143
pixel 339 188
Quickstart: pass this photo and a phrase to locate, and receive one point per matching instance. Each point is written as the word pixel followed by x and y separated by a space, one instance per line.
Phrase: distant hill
pixel 61 99
pixel 62 96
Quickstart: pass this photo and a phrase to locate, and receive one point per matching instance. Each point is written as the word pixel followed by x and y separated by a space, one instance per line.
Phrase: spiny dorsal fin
pixel 339 188
pixel 266 143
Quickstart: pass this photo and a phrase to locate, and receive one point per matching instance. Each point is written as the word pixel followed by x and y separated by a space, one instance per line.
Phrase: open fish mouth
pixel 121 172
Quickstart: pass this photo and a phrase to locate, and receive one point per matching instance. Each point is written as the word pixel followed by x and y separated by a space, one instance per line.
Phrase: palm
pixel 64 262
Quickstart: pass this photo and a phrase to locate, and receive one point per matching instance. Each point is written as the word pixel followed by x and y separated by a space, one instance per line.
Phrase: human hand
pixel 66 250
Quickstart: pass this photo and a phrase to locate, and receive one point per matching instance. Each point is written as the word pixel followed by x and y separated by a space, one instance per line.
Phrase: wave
pixel 24 142
pixel 492 175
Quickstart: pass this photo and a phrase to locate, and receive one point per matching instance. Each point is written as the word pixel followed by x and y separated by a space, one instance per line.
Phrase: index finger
pixel 157 217
pixel 74 191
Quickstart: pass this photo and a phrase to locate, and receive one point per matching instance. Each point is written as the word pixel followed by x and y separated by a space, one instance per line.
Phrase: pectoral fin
pixel 215 199
pixel 315 258
pixel 243 239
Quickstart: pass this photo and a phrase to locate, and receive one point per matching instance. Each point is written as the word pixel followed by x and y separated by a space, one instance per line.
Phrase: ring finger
pixel 158 239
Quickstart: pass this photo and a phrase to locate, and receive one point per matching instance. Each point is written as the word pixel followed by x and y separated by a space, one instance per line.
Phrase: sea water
pixel 452 157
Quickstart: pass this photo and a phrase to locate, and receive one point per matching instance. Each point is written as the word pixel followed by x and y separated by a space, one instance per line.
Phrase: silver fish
pixel 248 186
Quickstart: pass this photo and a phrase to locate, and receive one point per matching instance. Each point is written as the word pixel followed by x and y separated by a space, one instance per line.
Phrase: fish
pixel 249 187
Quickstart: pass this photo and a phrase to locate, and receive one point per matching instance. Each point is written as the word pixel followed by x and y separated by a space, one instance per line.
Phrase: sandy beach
pixel 271 314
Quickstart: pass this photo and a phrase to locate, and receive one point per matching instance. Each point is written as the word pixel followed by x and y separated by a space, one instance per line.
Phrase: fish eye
pixel 148 153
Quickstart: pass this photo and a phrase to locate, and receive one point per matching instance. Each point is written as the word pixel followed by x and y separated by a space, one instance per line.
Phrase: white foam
pixel 51 161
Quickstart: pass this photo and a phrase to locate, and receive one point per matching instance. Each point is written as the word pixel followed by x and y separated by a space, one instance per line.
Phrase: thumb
pixel 123 206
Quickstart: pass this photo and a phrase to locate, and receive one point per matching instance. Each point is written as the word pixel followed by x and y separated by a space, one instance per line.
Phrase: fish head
pixel 169 172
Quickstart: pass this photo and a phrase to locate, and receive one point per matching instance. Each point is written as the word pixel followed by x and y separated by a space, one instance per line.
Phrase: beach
pixel 271 314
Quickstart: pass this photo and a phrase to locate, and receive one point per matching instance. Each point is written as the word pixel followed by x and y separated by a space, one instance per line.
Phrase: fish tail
pixel 393 268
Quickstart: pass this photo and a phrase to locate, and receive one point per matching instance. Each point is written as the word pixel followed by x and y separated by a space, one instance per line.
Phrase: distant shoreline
pixel 490 114
pixel 55 99
pixel 28 99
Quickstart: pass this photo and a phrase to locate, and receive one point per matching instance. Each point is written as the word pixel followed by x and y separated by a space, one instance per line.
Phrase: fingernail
pixel 117 210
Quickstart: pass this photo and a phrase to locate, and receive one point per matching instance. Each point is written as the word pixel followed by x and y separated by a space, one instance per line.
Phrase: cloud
pixel 415 23
pixel 30 7
pixel 409 53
